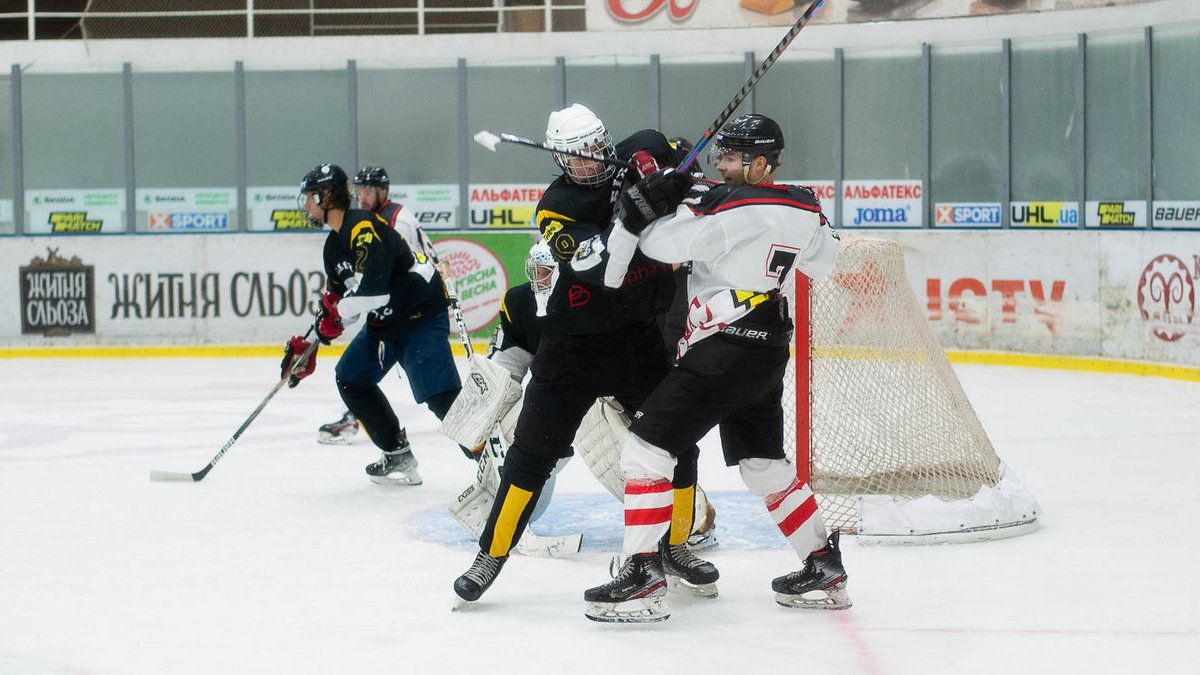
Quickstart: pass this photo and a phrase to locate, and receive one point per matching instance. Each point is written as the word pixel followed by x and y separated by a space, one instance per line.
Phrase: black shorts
pixel 719 382
pixel 569 372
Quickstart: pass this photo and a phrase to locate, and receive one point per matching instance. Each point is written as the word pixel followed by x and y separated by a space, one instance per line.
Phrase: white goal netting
pixel 895 450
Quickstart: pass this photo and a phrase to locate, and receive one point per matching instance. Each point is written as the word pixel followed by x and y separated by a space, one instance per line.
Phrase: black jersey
pixel 366 246
pixel 570 214
pixel 520 326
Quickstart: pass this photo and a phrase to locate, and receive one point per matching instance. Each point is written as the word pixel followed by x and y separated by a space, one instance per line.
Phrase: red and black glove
pixel 329 321
pixel 293 350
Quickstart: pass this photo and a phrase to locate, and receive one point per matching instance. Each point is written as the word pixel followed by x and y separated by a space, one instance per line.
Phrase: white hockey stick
pixel 491 141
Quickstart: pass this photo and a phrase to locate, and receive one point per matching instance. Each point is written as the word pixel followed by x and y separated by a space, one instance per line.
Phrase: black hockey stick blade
pixel 749 85
pixel 491 141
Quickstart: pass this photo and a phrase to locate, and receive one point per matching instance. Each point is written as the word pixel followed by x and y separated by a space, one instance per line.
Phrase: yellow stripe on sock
pixel 515 501
pixel 683 512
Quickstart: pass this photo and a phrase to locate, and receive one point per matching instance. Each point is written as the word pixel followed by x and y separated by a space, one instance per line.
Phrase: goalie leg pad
pixel 602 433
pixel 487 395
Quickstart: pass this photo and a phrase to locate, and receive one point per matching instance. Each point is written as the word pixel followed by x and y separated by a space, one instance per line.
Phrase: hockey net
pixel 895 452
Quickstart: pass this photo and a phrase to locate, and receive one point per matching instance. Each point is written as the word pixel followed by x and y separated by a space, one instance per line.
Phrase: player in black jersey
pixel 371 270
pixel 596 342
pixel 371 187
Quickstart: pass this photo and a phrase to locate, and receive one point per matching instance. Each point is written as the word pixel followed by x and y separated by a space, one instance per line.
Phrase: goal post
pixel 880 424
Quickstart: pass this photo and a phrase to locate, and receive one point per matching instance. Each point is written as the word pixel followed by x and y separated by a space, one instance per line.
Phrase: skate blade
pixel 642 610
pixel 396 479
pixel 834 598
pixel 698 590
pixel 327 439
pixel 460 603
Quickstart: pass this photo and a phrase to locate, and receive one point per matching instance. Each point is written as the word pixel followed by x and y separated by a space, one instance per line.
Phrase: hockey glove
pixel 293 350
pixel 652 198
pixel 329 323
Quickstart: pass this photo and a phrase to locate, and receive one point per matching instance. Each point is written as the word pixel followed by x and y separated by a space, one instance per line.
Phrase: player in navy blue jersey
pixel 374 274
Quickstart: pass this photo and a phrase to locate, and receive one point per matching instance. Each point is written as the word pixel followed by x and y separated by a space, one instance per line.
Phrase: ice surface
pixel 286 559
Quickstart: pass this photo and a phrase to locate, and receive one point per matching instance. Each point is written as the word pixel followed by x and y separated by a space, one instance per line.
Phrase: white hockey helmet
pixel 578 129
pixel 540 266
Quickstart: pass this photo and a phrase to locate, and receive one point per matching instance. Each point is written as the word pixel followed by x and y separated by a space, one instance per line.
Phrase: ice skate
pixel 637 593
pixel 341 432
pixel 478 579
pixel 396 467
pixel 687 571
pixel 821 584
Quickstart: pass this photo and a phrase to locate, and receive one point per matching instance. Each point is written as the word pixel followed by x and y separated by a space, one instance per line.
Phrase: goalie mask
pixel 750 136
pixel 330 188
pixel 541 268
pixel 578 129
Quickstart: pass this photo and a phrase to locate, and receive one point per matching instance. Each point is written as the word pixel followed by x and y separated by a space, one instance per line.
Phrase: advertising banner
pixel 967 214
pixel 886 203
pixel 276 208
pixel 482 268
pixel 665 14
pixel 223 289
pixel 74 211
pixel 1044 214
pixel 186 209
pixel 505 204
pixel 434 206
pixel 1171 214
pixel 1116 213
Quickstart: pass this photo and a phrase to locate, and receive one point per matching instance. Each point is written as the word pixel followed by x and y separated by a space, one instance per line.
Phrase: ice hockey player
pixel 372 271
pixel 598 441
pixel 595 343
pixel 744 237
pixel 371 187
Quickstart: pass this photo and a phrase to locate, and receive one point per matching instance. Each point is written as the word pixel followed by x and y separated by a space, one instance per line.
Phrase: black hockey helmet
pixel 751 135
pixel 329 177
pixel 373 176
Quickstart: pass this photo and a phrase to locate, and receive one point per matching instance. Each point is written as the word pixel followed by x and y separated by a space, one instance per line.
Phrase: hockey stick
pixel 199 475
pixel 621 243
pixel 456 309
pixel 490 141
pixel 749 85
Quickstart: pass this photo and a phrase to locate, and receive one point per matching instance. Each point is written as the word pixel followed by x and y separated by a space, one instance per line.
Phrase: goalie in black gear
pixel 599 440
pixel 596 343
pixel 747 239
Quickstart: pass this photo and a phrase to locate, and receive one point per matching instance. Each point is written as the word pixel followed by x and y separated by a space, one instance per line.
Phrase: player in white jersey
pixel 744 238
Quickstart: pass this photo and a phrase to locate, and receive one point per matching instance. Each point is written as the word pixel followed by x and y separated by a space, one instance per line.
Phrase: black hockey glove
pixel 652 198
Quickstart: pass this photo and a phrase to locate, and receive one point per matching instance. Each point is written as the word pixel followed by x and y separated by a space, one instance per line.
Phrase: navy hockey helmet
pixel 373 176
pixel 751 135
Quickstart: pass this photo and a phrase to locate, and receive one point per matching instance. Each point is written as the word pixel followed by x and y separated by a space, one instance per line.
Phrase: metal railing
pixel 126 19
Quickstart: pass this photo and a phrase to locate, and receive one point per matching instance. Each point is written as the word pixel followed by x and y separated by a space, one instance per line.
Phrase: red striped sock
pixel 795 512
pixel 648 504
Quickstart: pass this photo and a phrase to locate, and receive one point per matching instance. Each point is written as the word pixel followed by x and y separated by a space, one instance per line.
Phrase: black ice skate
pixel 637 593
pixel 820 585
pixel 479 578
pixel 396 467
pixel 688 571
pixel 340 432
